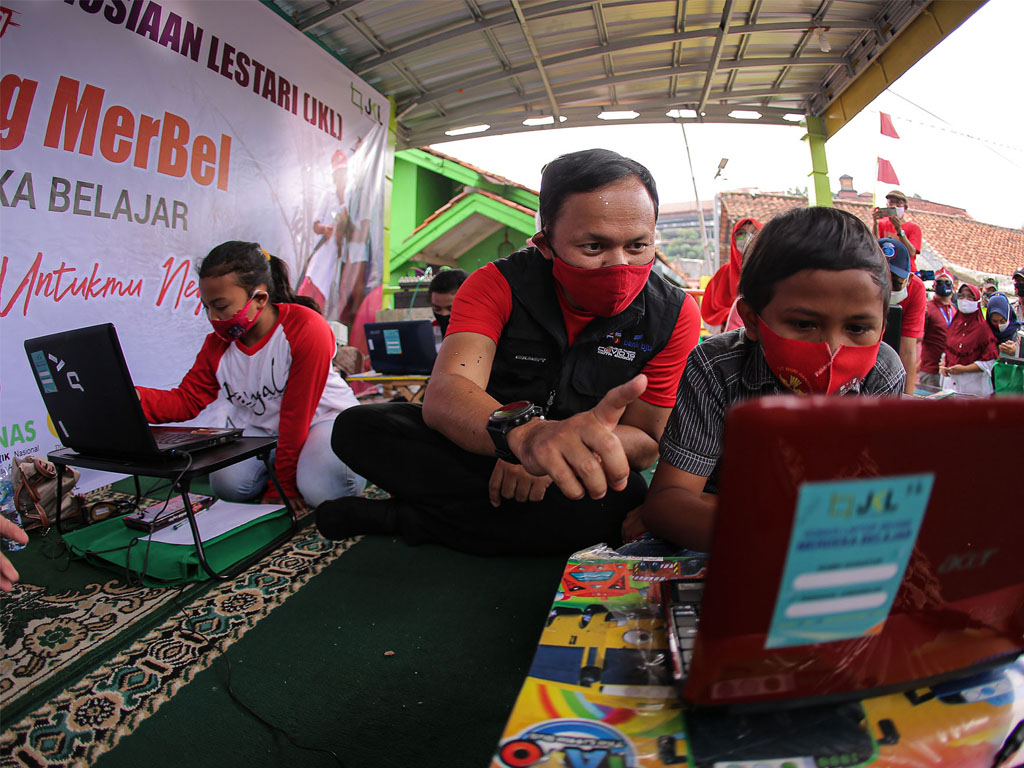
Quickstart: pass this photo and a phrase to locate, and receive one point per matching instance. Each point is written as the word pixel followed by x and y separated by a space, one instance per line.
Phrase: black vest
pixel 534 360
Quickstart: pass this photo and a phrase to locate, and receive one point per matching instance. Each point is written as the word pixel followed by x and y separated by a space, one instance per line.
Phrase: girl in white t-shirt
pixel 268 361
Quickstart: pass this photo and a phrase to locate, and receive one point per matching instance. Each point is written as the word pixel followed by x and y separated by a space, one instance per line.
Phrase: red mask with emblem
pixel 238 324
pixel 808 367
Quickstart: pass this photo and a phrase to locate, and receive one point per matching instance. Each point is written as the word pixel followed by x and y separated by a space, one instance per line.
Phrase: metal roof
pixel 453 64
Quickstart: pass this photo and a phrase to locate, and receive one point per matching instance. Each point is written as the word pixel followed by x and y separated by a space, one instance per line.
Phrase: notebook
pixel 857 550
pixel 87 389
pixel 402 346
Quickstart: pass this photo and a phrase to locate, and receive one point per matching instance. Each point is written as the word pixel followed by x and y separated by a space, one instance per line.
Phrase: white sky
pixel 961 138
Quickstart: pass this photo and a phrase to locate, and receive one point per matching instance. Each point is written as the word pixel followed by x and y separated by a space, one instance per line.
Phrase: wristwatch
pixel 505 419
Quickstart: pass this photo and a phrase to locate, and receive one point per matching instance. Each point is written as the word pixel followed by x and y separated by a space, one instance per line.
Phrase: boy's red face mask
pixel 808 367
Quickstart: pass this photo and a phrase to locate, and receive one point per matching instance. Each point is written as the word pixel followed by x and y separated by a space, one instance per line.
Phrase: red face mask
pixel 808 367
pixel 605 291
pixel 238 324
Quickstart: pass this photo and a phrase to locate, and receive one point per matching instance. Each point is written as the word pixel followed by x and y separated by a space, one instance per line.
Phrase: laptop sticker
pixel 392 341
pixel 43 372
pixel 849 549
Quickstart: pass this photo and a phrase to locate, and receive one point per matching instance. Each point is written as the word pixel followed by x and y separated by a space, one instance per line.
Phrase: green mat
pixel 463 631
pixel 99 671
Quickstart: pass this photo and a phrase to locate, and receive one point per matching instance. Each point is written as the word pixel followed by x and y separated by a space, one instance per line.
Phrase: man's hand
pixel 896 225
pixel 512 481
pixel 634 526
pixel 581 454
pixel 8 573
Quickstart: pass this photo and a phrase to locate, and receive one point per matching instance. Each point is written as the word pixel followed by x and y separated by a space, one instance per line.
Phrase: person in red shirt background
pixel 720 293
pixel 908 291
pixel 907 232
pixel 939 313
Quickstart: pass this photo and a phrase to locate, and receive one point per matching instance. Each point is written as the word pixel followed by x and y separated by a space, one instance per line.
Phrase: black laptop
pixel 87 389
pixel 402 346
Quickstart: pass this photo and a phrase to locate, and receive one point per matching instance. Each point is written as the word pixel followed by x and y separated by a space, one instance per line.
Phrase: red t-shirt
pixel 484 304
pixel 936 325
pixel 913 309
pixel 912 231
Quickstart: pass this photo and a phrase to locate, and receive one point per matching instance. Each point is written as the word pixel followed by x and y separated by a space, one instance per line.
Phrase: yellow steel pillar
pixel 819 191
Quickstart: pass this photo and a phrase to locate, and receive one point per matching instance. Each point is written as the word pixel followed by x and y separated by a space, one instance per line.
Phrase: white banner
pixel 134 137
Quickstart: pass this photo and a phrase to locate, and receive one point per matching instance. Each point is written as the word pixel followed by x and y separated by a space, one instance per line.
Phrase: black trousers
pixel 444 490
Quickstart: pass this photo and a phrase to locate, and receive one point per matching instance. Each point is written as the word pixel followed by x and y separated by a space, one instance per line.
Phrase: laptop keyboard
pixel 681 600
pixel 176 438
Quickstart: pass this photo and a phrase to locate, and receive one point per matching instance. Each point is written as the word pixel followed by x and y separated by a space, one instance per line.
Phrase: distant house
pixel 446 212
pixel 970 249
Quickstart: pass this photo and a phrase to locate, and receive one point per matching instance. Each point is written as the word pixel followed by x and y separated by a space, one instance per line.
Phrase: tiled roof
pixel 462 196
pixel 958 241
pixel 492 177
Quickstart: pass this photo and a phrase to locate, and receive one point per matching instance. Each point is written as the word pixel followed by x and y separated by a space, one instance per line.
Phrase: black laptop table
pixel 182 472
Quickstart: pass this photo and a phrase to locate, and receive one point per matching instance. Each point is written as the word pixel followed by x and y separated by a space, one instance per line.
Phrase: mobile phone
pixel 926 274
pixel 886 211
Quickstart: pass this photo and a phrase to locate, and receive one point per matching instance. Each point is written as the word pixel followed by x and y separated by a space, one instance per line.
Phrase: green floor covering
pixel 463 630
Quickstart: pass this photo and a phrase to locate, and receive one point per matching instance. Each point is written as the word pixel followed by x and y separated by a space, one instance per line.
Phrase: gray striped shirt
pixel 728 369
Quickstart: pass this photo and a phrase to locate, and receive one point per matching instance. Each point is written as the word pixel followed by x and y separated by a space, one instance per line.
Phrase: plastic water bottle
pixel 7 508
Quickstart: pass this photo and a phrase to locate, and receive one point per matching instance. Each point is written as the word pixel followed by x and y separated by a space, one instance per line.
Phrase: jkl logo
pixel 875 503
pixel 7 20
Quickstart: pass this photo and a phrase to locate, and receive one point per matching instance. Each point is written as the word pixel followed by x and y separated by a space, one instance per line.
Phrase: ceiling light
pixel 745 114
pixel 681 113
pixel 823 42
pixel 543 120
pixel 626 115
pixel 467 129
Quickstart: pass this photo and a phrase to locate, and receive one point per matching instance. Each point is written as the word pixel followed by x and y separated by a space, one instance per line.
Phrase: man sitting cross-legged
pixel 550 391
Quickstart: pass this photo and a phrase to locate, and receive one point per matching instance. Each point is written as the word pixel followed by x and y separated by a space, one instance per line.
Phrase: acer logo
pixel 967 561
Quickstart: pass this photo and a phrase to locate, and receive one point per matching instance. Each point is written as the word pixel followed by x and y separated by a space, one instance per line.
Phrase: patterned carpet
pixel 84 665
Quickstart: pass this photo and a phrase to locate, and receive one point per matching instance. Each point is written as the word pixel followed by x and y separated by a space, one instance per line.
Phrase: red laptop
pixel 861 545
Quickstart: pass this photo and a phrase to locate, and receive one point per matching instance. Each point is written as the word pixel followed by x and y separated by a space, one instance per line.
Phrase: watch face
pixel 511 410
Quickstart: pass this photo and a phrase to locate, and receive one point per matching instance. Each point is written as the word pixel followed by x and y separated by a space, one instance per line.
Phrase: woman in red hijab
pixel 971 351
pixel 720 294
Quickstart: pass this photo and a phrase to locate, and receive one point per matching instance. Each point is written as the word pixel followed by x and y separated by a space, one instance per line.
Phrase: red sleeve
pixel 197 390
pixel 312 345
pixel 665 368
pixel 913 235
pixel 483 304
pixel 914 309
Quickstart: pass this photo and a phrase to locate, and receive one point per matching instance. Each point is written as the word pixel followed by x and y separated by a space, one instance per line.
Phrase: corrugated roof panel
pixel 451 62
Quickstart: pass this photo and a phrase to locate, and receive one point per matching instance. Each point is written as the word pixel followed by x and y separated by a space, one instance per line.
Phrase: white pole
pixel 708 257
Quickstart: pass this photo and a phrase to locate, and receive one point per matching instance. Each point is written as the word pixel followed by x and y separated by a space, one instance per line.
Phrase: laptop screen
pixel 403 346
pixel 857 548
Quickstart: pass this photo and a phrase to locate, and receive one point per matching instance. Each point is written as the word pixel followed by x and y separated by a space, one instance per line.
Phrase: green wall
pixel 423 183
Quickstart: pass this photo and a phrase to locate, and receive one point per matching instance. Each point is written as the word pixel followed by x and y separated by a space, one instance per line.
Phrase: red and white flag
pixel 886 174
pixel 887 127
pixel 888 144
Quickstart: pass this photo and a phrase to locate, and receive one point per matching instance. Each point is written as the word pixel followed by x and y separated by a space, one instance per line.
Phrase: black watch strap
pixel 504 420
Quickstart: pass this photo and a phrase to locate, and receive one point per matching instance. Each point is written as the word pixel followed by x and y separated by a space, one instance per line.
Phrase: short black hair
pixel 447 281
pixel 585 171
pixel 810 238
